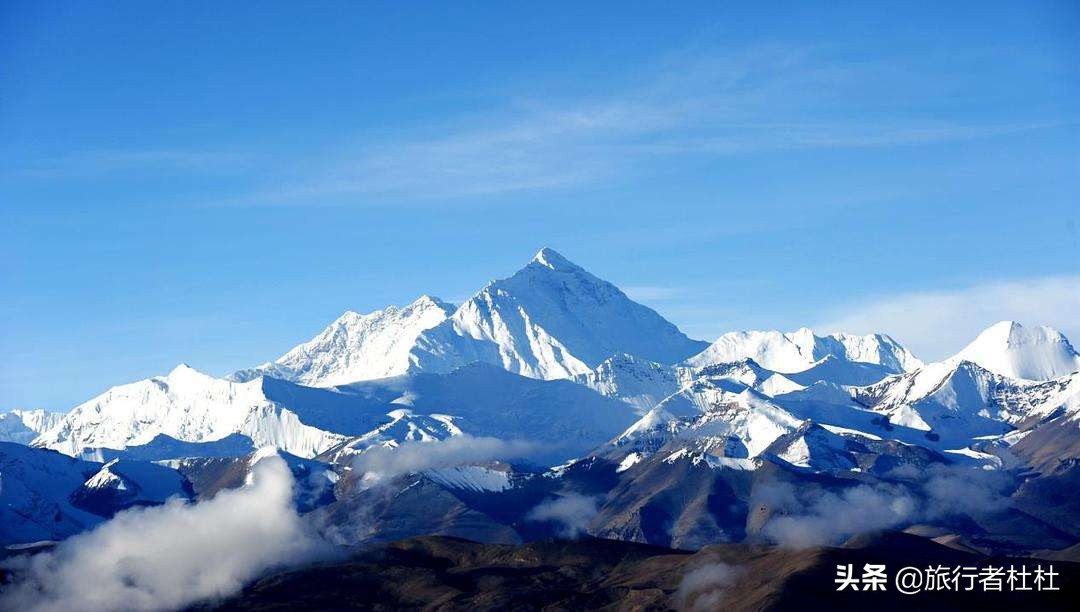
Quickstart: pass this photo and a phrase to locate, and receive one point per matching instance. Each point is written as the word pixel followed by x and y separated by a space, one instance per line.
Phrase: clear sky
pixel 213 182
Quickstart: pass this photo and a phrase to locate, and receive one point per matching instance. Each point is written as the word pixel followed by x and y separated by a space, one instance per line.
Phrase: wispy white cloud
pixel 384 462
pixel 570 512
pixel 936 324
pixel 171 556
pixel 693 103
pixel 704 587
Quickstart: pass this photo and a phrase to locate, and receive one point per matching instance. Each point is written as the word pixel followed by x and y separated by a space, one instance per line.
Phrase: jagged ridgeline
pixel 550 403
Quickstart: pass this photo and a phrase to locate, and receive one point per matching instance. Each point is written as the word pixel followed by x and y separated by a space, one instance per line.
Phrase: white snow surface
pixel 479 478
pixel 37 487
pixel 356 346
pixel 790 352
pixel 22 426
pixel 552 319
pixel 719 419
pixel 189 406
pixel 964 401
pixel 403 426
pixel 638 382
pixel 1033 353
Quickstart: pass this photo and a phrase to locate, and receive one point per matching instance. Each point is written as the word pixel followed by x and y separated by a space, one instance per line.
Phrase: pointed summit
pixel 183 372
pixel 551 319
pixel 801 350
pixel 1009 349
pixel 550 259
pixel 180 368
pixel 356 346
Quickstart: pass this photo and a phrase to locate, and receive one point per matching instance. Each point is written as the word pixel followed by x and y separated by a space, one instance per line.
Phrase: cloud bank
pixel 170 556
pixel 703 588
pixel 821 518
pixel 937 324
pixel 805 518
pixel 572 512
pixel 417 456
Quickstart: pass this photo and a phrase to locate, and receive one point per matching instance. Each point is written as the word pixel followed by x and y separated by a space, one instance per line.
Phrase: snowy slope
pixel 190 407
pixel 403 426
pixel 1010 349
pixel 959 401
pixel 123 483
pixel 13 429
pixel 164 447
pixel 35 486
pixel 48 496
pixel 560 418
pixel 800 350
pixel 193 407
pixel 22 426
pixel 313 481
pixel 356 346
pixel 721 419
pixel 476 478
pixel 748 372
pixel 1001 385
pixel 840 371
pixel 638 382
pixel 550 320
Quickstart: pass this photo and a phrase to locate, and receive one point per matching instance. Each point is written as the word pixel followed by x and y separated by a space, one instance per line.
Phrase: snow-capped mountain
pixel 558 418
pixel 48 496
pixel 356 346
pixel 965 399
pixel 404 426
pixel 22 426
pixel 1033 353
pixel 190 406
pixel 187 411
pixel 721 418
pixel 673 438
pixel 551 319
pixel 35 487
pixel 638 382
pixel 313 481
pixel 790 352
pixel 957 402
pixel 749 373
pixel 995 383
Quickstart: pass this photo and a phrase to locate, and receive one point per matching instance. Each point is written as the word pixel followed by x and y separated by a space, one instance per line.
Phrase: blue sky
pixel 213 184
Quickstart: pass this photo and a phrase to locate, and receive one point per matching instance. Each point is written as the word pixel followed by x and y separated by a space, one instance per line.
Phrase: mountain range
pixel 553 389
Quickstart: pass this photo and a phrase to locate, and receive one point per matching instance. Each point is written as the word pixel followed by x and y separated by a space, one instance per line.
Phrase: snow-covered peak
pixel 356 346
pixel 717 419
pixel 22 426
pixel 1033 353
pixel 551 260
pixel 551 319
pixel 958 400
pixel 790 352
pixel 190 406
pixel 638 382
pixel 184 374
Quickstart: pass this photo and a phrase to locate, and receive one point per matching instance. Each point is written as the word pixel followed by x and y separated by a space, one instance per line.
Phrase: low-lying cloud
pixel 571 512
pixel 703 588
pixel 819 518
pixel 170 556
pixel 806 517
pixel 958 489
pixel 418 456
